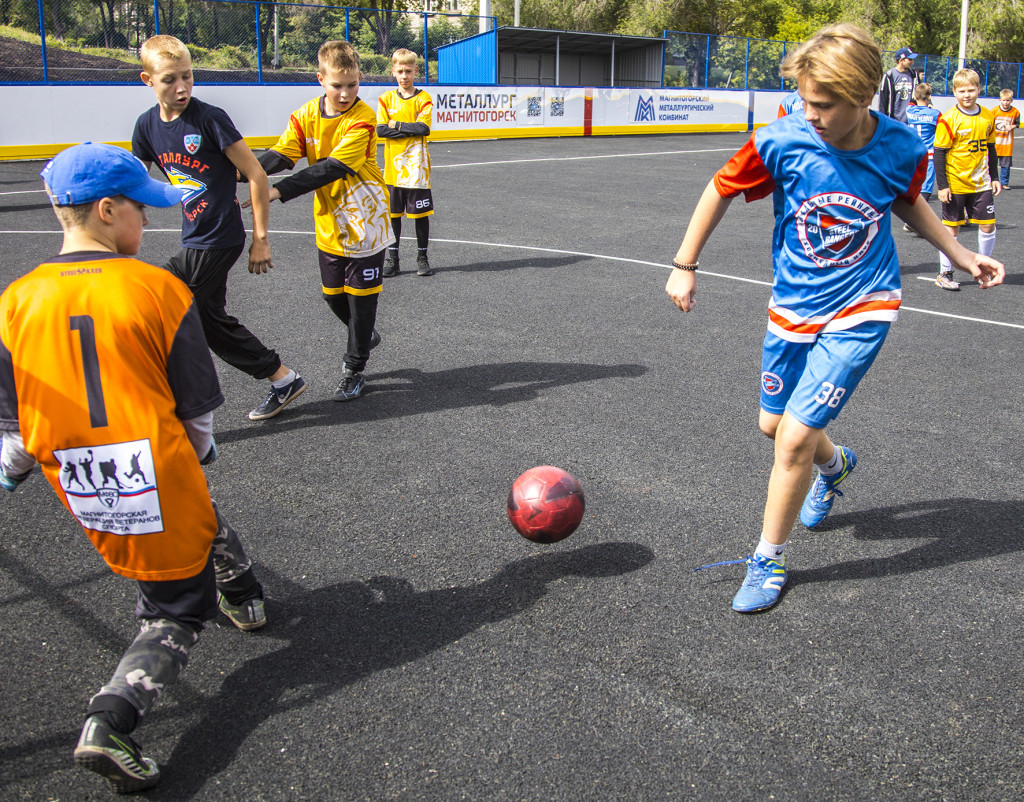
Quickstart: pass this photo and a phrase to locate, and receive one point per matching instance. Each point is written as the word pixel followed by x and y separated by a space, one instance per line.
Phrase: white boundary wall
pixel 41 120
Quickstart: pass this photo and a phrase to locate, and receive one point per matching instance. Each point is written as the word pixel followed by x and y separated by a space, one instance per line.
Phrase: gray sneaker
pixel 390 267
pixel 351 386
pixel 116 756
pixel 248 615
pixel 423 266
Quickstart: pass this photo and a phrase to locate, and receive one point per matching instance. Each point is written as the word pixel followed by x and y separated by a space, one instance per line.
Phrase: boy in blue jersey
pixel 198 147
pixel 835 172
pixel 922 116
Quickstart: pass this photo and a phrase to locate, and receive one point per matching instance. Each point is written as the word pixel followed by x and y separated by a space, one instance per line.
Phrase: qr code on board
pixel 558 107
pixel 533 107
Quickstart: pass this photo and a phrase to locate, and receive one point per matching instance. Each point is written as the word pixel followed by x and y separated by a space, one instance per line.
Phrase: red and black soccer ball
pixel 545 504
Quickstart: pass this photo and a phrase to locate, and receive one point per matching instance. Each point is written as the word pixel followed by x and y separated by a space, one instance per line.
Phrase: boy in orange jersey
pixel 1007 119
pixel 404 116
pixel 123 342
pixel 335 134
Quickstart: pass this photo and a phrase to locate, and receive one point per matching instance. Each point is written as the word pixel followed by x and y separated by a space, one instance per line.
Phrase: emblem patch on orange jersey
pixel 112 488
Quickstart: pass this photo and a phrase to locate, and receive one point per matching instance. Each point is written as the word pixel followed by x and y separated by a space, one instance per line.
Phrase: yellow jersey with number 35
pixel 966 138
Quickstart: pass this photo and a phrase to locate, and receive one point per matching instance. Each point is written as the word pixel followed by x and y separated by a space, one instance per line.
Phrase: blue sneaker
pixel 823 492
pixel 760 590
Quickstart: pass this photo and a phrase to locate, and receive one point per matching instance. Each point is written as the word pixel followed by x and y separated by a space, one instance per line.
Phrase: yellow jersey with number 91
pixel 351 215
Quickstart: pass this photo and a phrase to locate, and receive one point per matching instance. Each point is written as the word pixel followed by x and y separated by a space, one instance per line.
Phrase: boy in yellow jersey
pixel 335 134
pixel 966 169
pixel 404 117
pixel 107 382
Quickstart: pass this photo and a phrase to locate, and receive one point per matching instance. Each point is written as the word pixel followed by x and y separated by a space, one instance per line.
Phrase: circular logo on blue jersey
pixel 836 229
pixel 771 383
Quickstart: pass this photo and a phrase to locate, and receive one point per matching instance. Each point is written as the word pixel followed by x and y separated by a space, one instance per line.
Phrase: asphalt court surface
pixel 418 648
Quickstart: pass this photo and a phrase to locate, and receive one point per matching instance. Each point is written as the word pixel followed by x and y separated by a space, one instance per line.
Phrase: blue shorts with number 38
pixel 812 381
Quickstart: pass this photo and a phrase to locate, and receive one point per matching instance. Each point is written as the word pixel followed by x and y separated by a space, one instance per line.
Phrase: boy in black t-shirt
pixel 198 148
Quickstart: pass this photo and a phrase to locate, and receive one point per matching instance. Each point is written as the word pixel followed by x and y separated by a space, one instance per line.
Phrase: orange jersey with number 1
pixel 92 346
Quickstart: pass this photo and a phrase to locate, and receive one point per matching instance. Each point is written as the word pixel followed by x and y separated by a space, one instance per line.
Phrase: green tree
pixel 592 16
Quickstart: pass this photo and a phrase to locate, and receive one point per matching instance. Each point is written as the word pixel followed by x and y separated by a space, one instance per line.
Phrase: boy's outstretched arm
pixel 259 196
pixel 919 216
pixel 682 284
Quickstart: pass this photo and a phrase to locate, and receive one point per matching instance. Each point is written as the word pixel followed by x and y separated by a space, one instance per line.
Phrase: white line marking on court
pixel 508 161
pixel 24 192
pixel 597 256
pixel 584 158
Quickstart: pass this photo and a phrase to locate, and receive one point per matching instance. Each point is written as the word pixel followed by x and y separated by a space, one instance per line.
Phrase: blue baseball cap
pixel 87 172
pixel 905 52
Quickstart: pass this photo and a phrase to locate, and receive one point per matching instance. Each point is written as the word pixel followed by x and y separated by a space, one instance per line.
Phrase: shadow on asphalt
pixel 952 531
pixel 342 633
pixel 411 391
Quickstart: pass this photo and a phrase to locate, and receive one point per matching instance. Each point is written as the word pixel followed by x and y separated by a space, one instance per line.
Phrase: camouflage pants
pixel 172 614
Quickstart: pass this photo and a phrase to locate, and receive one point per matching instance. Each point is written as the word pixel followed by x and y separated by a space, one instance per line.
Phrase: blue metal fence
pixel 708 61
pixel 254 41
pixel 231 41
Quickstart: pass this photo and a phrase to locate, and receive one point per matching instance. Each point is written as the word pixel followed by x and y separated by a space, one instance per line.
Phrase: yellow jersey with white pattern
pixel 406 159
pixel 351 215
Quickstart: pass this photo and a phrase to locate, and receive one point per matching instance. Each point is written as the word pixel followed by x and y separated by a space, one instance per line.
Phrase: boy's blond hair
pixel 403 56
pixel 966 76
pixel 337 54
pixel 1005 94
pixel 842 58
pixel 923 94
pixel 162 46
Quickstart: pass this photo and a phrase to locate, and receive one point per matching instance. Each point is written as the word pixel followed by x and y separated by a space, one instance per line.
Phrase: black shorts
pixel 354 275
pixel 411 202
pixel 974 207
pixel 190 601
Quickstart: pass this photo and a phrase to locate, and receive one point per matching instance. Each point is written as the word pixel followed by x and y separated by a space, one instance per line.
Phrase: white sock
pixel 945 266
pixel 772 551
pixel 285 381
pixel 986 242
pixel 834 465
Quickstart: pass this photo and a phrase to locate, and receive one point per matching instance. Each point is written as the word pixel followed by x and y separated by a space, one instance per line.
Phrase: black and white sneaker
pixel 423 266
pixel 277 400
pixel 115 756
